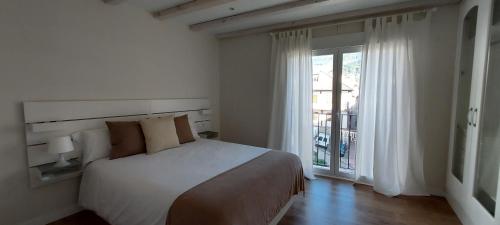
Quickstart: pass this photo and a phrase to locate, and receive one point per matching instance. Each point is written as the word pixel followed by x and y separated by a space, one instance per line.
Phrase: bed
pixel 202 182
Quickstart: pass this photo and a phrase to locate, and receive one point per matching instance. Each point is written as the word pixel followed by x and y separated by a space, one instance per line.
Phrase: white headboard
pixel 46 119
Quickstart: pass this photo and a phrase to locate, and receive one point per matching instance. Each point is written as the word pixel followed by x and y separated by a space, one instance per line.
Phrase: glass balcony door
pixel 336 79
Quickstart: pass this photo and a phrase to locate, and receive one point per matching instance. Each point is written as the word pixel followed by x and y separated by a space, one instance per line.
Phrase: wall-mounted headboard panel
pixel 47 119
pixel 49 111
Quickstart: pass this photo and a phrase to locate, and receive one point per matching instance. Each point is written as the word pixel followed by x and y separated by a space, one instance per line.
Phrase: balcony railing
pixel 347 141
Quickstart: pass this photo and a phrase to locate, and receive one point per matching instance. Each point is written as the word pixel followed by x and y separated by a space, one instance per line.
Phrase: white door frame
pixel 334 170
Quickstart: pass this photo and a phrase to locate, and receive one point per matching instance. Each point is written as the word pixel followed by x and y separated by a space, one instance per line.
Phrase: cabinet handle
pixel 470 115
pixel 474 118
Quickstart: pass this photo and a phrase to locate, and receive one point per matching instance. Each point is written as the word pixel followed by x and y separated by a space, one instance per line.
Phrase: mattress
pixel 140 189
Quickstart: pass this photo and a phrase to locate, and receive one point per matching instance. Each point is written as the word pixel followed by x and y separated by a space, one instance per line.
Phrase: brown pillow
pixel 183 129
pixel 126 139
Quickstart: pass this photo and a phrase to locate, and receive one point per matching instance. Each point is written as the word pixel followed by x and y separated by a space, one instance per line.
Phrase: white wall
pixel 435 98
pixel 245 89
pixel 84 49
pixel 246 96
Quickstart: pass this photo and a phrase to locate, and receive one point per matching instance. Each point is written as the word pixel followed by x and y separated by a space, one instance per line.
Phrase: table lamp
pixel 61 145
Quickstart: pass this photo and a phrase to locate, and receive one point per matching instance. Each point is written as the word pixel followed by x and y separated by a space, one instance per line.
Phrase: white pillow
pixel 95 144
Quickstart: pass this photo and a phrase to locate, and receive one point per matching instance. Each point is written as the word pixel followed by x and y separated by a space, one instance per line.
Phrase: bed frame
pixel 283 211
pixel 47 119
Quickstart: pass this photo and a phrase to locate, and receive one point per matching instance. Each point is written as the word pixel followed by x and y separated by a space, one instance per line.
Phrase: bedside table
pixel 48 174
pixel 209 134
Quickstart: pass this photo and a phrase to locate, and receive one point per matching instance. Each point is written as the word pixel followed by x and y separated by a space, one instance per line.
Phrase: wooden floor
pixel 335 202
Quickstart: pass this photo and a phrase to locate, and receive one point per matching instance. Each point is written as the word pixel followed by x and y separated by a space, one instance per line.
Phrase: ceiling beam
pixel 252 14
pixel 344 17
pixel 188 7
pixel 113 2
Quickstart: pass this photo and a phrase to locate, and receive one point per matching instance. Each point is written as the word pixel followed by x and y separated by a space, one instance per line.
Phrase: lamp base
pixel 62 161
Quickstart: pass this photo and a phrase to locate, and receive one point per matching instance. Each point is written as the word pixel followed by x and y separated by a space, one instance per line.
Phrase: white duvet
pixel 139 190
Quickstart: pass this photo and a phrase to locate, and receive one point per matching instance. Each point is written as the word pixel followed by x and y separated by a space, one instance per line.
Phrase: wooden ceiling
pixel 228 18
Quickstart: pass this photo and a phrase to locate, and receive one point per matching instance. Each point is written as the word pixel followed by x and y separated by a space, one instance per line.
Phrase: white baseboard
pixel 459 211
pixel 53 216
pixel 436 192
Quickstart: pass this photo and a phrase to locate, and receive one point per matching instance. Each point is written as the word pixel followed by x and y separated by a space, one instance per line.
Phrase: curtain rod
pixel 359 20
pixel 345 17
pixel 350 22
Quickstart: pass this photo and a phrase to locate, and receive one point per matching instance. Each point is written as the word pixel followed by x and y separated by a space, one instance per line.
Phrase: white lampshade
pixel 60 145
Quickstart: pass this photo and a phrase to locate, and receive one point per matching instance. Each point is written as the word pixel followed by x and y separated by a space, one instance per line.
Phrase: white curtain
pixel 390 155
pixel 291 127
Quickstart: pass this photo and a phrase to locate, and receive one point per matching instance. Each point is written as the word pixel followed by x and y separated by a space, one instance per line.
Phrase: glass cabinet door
pixel 462 110
pixel 488 159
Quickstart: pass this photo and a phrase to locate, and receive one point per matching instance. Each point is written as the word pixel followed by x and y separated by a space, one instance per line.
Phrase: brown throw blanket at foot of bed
pixel 250 194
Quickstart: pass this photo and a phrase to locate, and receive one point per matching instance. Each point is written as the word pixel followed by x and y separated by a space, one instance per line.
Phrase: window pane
pixel 463 95
pixel 351 73
pixel 322 108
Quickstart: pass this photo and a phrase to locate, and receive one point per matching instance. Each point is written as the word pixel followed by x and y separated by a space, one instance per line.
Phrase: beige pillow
pixel 159 134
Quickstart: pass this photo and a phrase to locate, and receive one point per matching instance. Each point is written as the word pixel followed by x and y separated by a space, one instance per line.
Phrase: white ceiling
pixel 319 9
